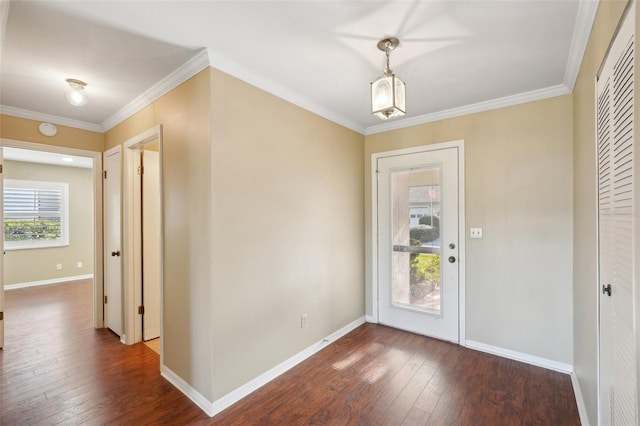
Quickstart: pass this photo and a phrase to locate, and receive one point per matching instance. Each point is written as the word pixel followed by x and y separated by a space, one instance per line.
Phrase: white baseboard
pixel 48 282
pixel 582 408
pixel 522 357
pixel 185 388
pixel 370 318
pixel 215 407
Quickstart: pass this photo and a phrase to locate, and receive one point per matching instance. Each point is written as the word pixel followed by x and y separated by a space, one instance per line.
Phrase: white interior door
pixel 113 241
pixel 2 243
pixel 418 245
pixel 151 244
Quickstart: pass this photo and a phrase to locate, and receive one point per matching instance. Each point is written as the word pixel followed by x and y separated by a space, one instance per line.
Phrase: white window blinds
pixel 35 214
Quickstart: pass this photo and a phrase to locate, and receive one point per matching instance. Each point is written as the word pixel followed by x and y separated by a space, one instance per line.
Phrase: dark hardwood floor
pixel 56 369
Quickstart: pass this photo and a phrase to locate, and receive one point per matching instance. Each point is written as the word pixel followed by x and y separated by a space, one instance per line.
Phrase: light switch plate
pixel 475 232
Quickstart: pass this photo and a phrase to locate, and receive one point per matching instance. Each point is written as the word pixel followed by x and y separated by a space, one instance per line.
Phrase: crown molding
pixel 170 82
pixel 48 118
pixel 521 98
pixel 251 77
pixel 581 32
pixel 4 14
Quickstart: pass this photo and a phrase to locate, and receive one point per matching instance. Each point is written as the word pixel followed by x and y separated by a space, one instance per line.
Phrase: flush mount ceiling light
pixel 388 91
pixel 75 93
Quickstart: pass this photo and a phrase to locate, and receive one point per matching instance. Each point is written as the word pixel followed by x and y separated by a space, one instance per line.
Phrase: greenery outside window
pixel 36 214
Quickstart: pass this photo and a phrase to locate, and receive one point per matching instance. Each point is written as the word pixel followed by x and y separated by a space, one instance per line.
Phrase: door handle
pixel 606 290
pixel 452 259
pixel 115 253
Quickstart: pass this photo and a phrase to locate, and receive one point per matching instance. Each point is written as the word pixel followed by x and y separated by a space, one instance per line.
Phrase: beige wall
pixel 518 179
pixel 25 130
pixel 287 226
pixel 185 114
pixel 263 221
pixel 23 266
pixel 585 279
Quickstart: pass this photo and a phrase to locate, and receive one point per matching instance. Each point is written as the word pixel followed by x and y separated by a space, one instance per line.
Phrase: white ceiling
pixel 42 157
pixel 455 56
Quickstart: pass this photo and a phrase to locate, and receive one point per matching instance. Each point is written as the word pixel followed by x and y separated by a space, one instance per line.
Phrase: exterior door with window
pixel 418 244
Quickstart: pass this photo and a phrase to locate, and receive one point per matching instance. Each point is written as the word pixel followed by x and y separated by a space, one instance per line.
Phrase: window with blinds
pixel 35 214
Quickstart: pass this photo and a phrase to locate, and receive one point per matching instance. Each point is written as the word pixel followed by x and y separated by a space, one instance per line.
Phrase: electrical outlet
pixel 304 319
pixel 475 233
pixel 59 266
pixel 79 264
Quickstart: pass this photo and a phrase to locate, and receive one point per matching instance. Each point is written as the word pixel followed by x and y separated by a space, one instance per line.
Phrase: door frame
pixel 132 253
pixel 98 290
pixel 375 282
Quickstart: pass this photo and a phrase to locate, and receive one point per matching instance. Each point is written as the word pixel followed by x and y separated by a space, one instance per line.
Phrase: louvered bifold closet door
pixel 616 198
pixel 605 222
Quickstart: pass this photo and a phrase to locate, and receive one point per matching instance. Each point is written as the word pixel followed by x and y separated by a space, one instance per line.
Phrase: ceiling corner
pixel 581 31
pixel 48 118
pixel 190 68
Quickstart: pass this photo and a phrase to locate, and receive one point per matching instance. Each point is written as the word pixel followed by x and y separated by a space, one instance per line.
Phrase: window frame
pixel 63 240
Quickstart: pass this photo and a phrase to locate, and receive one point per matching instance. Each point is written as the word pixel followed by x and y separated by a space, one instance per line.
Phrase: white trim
pixel 132 232
pixel 98 290
pixel 459 144
pixel 521 98
pixel 581 32
pixel 371 319
pixel 373 288
pixel 184 387
pixel 4 14
pixel 582 408
pixel 213 408
pixel 522 357
pixel 49 118
pixel 244 390
pixel 170 82
pixel 48 282
pixel 249 75
pixel 462 247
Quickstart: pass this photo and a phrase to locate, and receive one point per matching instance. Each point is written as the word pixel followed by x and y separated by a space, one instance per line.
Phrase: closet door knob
pixel 115 253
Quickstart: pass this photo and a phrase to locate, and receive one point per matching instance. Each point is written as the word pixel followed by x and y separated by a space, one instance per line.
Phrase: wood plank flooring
pixel 56 369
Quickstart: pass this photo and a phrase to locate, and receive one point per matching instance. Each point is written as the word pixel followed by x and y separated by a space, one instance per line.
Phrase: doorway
pixel 419 240
pixel 68 267
pixel 142 207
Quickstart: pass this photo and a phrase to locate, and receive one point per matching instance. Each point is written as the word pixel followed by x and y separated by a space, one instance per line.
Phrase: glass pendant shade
pixel 388 97
pixel 75 93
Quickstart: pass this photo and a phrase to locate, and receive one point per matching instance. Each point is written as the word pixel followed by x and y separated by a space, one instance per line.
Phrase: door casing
pixel 98 289
pixel 132 235
pixel 459 144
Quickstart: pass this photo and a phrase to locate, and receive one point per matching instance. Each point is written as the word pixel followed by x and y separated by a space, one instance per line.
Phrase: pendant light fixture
pixel 388 91
pixel 75 93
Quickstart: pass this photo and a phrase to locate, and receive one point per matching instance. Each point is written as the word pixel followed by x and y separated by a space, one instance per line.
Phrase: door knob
pixel 606 289
pixel 115 253
pixel 452 259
